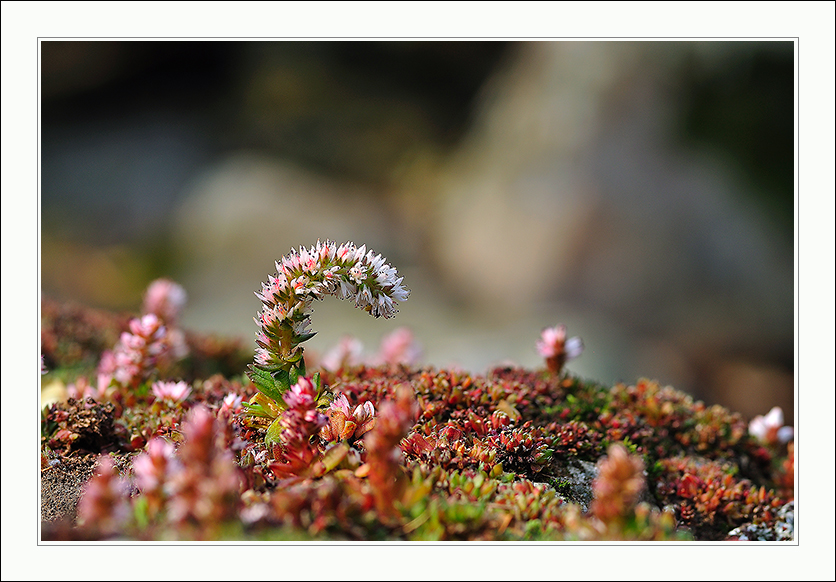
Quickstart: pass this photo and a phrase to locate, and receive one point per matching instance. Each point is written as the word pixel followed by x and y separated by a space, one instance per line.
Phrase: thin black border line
pixel 38 407
pixel 406 543
pixel 424 38
pixel 797 282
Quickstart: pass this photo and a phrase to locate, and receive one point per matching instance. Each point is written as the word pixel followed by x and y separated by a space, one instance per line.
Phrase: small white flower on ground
pixel 770 429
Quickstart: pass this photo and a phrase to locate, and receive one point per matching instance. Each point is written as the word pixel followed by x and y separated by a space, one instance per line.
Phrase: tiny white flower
pixel 574 347
pixel 356 273
pixel 769 429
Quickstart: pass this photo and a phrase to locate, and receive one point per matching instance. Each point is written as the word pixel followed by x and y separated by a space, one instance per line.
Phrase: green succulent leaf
pixel 141 511
pixel 334 457
pixel 256 409
pixel 143 389
pixel 269 367
pixel 263 406
pixel 543 456
pixel 294 374
pixel 270 333
pixel 268 384
pixel 48 427
pixel 274 431
pixel 324 397
pixel 282 381
pixel 304 337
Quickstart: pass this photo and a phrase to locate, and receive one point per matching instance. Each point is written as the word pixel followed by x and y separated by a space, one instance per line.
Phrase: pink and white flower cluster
pixel 81 388
pixel 154 339
pixel 137 352
pixel 346 271
pixel 197 487
pixel 397 347
pixel 231 404
pixel 171 391
pixel 104 501
pixel 201 484
pixel 383 450
pixel 299 423
pixel 153 467
pixel 557 350
pixel 770 429
pixel 165 299
pixel 205 490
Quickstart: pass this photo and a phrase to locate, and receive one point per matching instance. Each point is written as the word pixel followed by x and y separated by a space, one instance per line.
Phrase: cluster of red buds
pixel 519 450
pixel 135 357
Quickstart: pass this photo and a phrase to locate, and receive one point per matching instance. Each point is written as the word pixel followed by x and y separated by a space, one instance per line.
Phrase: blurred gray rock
pixel 570 197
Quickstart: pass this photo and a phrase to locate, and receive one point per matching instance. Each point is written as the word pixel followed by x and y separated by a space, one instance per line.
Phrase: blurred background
pixel 642 193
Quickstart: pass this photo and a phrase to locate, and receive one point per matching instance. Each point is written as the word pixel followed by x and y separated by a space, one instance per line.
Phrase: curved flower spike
pixel 284 322
pixel 307 274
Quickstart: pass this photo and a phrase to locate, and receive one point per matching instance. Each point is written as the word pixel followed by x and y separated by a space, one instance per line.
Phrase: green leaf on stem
pixel 294 374
pixel 274 431
pixel 269 367
pixel 262 406
pixel 268 384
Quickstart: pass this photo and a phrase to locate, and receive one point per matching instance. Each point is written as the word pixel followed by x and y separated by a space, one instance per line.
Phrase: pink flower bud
pixel 165 299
